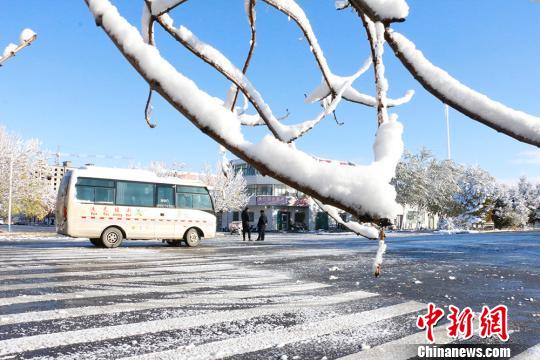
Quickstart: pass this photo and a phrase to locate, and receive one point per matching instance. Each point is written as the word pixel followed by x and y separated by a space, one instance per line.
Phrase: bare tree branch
pixel 148 109
pixel 252 43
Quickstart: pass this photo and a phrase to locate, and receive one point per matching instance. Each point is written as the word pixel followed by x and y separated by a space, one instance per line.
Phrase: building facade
pixel 55 173
pixel 286 208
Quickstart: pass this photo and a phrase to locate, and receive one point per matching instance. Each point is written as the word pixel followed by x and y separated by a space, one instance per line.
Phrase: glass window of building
pixel 264 189
pixel 251 190
pixel 280 190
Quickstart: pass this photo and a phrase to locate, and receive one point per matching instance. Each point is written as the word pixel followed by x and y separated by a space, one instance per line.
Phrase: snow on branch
pixel 385 11
pixel 25 39
pixel 160 7
pixel 351 94
pixel 213 57
pixel 367 231
pixel 477 106
pixel 359 190
pixel 331 83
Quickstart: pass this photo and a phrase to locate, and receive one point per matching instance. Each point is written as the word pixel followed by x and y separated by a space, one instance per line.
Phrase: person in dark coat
pixel 245 224
pixel 261 224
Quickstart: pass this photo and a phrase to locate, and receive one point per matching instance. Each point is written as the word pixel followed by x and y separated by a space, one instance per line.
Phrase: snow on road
pixel 64 299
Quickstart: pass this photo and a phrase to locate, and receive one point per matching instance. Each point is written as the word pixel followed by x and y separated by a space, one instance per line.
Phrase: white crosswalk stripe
pixel 395 349
pixel 532 353
pixel 180 270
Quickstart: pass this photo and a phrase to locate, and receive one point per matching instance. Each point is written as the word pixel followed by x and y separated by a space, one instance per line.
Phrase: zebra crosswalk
pixel 87 303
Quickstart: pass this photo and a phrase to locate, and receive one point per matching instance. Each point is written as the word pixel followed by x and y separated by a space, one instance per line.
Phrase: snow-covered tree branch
pixel 361 190
pixel 25 39
pixel 477 106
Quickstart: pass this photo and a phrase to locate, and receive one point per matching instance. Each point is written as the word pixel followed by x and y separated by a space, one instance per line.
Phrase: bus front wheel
pixel 192 238
pixel 112 237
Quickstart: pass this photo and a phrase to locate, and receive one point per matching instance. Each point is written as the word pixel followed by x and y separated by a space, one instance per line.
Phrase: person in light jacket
pixel 261 224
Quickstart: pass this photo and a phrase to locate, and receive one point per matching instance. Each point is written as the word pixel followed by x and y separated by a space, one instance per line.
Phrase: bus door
pixel 166 212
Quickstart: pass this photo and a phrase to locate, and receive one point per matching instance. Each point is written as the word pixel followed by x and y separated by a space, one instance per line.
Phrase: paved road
pixel 290 297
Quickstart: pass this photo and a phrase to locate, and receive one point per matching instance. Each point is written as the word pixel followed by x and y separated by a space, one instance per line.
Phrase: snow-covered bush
pixel 32 194
pixel 516 206
pixel 227 188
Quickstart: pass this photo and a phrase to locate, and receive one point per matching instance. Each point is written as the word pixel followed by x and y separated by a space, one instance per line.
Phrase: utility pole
pixel 10 191
pixel 446 114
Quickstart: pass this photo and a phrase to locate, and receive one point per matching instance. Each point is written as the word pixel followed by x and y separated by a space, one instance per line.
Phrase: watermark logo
pixel 491 322
pixel 429 320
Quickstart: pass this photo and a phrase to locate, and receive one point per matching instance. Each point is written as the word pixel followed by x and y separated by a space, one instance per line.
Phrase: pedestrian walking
pixel 261 224
pixel 245 224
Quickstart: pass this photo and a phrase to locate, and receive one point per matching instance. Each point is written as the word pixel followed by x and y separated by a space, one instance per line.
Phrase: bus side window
pixel 134 194
pixel 85 193
pixel 104 195
pixel 202 202
pixel 184 201
pixel 165 196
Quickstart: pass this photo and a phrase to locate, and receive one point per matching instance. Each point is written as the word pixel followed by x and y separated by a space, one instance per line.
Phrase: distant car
pixel 1 221
pixel 235 227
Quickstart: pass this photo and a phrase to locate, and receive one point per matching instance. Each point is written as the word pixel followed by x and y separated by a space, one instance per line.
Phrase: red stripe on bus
pixel 92 217
pixel 83 217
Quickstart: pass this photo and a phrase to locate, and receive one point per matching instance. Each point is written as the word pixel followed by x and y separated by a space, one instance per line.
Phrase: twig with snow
pixel 25 39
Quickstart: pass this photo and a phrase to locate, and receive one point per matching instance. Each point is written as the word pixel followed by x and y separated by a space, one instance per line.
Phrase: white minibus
pixel 109 205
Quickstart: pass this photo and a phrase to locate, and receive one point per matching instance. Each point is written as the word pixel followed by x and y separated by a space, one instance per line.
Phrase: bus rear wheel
pixel 96 242
pixel 192 238
pixel 112 237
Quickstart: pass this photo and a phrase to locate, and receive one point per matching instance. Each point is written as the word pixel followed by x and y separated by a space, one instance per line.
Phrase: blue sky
pixel 73 89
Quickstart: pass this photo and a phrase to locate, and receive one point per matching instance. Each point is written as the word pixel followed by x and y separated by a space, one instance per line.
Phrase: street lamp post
pixel 446 114
pixel 10 191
